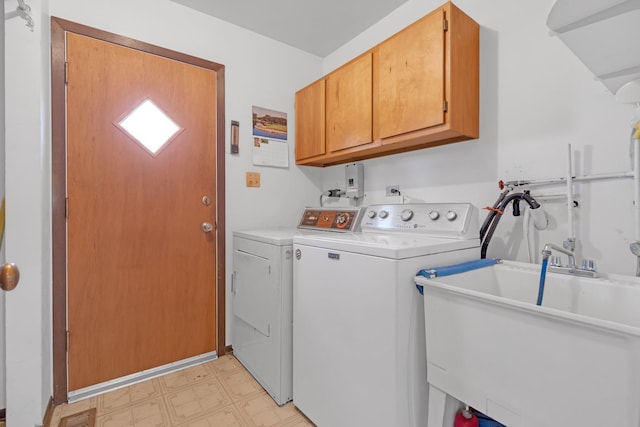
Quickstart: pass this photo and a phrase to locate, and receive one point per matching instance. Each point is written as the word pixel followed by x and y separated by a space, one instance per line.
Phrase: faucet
pixel 546 253
pixel 588 268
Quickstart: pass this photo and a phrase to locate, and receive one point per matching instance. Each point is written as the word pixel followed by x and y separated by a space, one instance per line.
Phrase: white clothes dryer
pixel 261 304
pixel 261 296
pixel 358 338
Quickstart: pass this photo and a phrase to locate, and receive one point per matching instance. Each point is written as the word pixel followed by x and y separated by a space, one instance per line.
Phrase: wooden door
pixel 409 78
pixel 310 121
pixel 349 103
pixel 141 270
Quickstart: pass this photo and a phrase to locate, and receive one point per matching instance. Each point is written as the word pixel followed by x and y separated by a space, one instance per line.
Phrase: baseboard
pixel 48 414
pixel 228 350
pixel 3 414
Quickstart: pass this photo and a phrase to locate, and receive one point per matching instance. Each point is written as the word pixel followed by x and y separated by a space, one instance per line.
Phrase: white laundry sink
pixel 573 361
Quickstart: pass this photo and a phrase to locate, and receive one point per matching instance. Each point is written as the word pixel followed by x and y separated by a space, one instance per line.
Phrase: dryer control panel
pixel 329 219
pixel 455 220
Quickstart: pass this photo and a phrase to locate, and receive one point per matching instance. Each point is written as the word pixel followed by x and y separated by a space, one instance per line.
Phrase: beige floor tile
pixel 124 397
pixel 228 416
pixel 150 413
pixel 262 411
pixel 224 364
pixel 300 421
pixel 196 401
pixel 184 378
pixel 55 420
pixel 219 393
pixel 240 384
pixel 73 408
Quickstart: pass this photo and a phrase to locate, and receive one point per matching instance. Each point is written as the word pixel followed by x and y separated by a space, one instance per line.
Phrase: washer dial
pixel 406 214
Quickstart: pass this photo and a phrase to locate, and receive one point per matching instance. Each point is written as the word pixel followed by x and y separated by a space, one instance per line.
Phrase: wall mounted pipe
pixel 635 246
pixel 563 180
pixel 570 207
pixel 636 185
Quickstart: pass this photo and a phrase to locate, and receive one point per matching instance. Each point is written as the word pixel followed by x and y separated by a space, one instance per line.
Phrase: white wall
pixel 535 98
pixel 2 257
pixel 28 307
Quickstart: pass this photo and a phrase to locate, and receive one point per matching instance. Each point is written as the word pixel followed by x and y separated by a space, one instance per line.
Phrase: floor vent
pixel 81 419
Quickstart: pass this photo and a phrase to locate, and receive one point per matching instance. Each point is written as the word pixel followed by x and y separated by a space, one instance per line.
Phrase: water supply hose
pixel 543 275
pixel 492 213
pixel 447 270
pixel 486 233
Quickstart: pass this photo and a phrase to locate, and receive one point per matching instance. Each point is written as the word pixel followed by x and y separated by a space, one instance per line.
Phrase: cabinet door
pixel 349 103
pixel 310 121
pixel 409 78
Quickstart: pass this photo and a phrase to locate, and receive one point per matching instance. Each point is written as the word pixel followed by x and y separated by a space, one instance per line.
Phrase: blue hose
pixel 447 270
pixel 431 273
pixel 543 275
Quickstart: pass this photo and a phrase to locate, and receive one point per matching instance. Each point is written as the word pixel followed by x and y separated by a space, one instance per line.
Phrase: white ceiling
pixel 318 27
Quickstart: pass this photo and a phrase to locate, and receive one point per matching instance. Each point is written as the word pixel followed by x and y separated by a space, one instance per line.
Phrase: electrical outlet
pixel 253 179
pixel 393 190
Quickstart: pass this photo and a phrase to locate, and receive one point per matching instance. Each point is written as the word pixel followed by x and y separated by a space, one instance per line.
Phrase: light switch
pixel 253 179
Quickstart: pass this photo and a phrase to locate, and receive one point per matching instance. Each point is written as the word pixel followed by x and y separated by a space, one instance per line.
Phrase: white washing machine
pixel 358 338
pixel 261 304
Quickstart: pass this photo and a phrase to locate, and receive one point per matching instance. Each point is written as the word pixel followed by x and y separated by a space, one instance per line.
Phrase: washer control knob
pixel 406 214
pixel 383 214
pixel 434 215
pixel 371 214
pixel 451 215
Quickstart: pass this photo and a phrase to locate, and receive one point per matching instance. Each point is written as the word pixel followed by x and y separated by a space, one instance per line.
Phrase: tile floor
pixel 219 393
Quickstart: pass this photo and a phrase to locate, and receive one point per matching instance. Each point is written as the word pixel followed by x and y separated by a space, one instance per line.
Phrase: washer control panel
pixel 329 219
pixel 458 220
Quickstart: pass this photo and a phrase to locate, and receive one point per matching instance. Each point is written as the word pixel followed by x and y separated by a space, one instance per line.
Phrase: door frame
pixel 58 185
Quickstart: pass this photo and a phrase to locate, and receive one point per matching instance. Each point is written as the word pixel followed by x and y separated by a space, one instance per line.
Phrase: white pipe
pixel 636 185
pixel 603 176
pixel 563 180
pixel 572 232
pixel 549 196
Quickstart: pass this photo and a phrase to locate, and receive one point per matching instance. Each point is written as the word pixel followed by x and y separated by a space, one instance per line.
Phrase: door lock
pixel 207 227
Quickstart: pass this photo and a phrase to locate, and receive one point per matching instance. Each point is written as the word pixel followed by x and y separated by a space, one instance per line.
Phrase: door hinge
pixel 66 73
pixel 445 105
pixel 66 207
pixel 67 341
pixel 445 25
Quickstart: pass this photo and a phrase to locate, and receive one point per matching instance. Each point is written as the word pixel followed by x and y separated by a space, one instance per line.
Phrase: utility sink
pixel 574 361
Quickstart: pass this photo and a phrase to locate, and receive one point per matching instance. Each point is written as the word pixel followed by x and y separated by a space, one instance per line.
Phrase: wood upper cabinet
pixel 417 89
pixel 310 121
pixel 348 105
pixel 410 78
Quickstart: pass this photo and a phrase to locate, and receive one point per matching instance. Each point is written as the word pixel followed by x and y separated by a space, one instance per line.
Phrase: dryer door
pixel 252 290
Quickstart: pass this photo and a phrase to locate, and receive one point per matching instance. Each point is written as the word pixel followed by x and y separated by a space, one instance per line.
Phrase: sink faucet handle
pixel 589 265
pixel 555 261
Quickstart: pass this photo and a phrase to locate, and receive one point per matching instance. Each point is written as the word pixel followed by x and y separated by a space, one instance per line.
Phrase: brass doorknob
pixel 9 276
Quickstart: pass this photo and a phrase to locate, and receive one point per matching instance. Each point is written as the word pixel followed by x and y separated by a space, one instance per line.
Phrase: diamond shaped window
pixel 149 126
